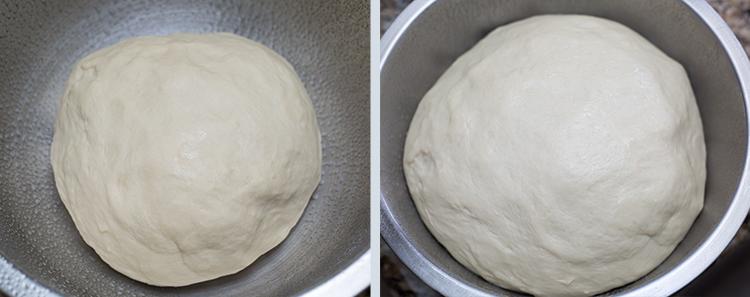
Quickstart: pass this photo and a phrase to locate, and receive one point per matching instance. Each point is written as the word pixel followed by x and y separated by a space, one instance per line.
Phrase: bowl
pixel 328 251
pixel 430 34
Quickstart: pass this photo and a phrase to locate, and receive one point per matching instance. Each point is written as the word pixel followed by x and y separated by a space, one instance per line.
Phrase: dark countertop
pixel 726 277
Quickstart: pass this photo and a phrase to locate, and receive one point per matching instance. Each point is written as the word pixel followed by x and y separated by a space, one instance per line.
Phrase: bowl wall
pixel 328 45
pixel 430 35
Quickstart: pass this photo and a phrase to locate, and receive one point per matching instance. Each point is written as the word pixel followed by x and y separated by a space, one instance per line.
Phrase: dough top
pixel 183 158
pixel 562 155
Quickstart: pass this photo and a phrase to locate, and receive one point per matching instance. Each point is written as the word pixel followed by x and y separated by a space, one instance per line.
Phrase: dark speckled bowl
pixel 41 252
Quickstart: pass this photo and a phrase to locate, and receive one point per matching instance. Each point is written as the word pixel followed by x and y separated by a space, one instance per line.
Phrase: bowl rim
pixel 667 284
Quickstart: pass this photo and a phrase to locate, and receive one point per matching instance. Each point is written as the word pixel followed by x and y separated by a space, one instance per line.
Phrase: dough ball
pixel 182 158
pixel 562 155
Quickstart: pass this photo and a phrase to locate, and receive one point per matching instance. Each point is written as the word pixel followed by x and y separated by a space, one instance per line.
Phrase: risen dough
pixel 183 158
pixel 562 155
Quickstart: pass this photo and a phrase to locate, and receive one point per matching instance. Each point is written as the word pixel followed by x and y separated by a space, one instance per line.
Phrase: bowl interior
pixel 39 43
pixel 448 28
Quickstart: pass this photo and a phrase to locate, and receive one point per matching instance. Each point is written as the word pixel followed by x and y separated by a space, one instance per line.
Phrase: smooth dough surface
pixel 561 155
pixel 183 158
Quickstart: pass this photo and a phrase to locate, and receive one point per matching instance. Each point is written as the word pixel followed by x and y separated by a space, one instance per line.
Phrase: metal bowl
pixel 326 254
pixel 430 34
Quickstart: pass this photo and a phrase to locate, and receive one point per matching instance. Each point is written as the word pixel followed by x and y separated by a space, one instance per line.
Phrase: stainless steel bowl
pixel 41 252
pixel 430 34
